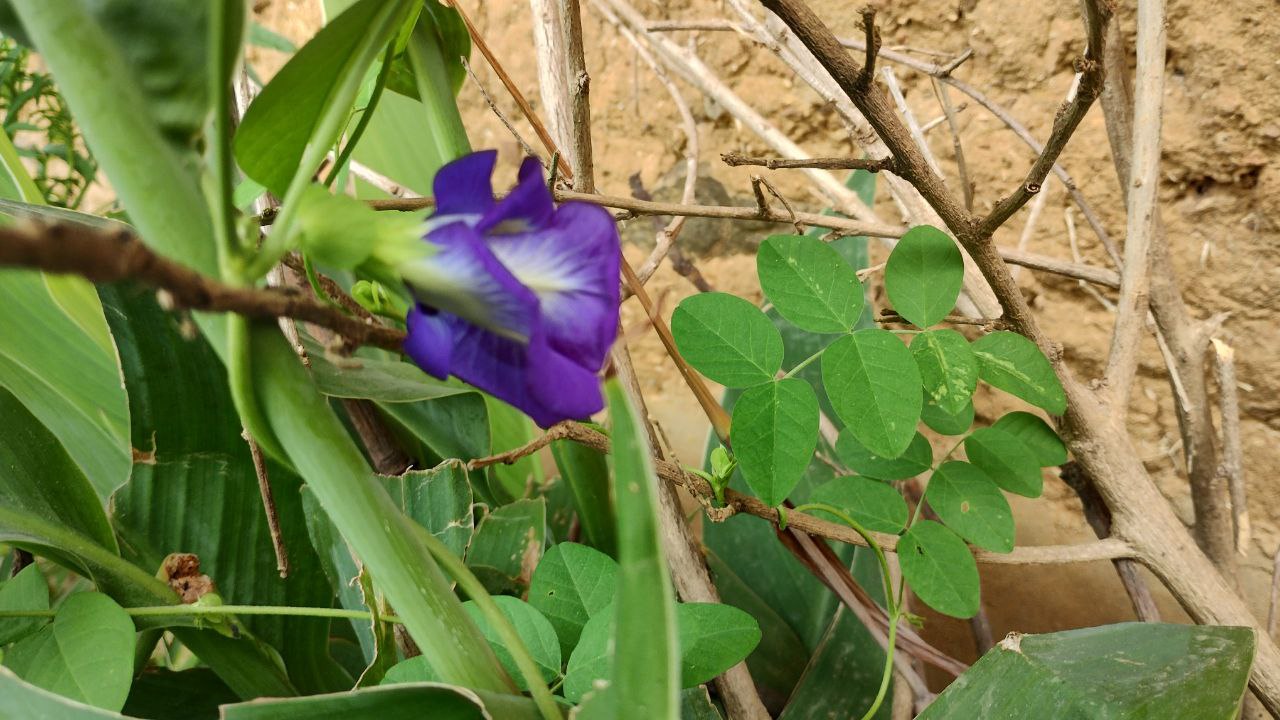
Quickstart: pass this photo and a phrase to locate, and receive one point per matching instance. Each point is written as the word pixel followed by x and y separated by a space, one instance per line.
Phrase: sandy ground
pixel 1220 196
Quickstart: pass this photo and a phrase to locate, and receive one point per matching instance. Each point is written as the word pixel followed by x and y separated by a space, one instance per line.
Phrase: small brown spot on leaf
pixel 182 572
pixel 964 506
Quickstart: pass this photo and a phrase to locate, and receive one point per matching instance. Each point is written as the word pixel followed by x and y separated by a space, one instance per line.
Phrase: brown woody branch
pixel 104 256
pixel 733 159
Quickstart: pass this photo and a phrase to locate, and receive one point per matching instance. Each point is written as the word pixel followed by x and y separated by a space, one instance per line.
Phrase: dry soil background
pixel 1220 197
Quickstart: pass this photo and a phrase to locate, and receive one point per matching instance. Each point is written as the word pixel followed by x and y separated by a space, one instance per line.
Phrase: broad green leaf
pixel 1007 460
pixel 25 591
pixel 944 423
pixel 586 473
pixel 873 504
pixel 1036 434
pixel 165 694
pixel 40 478
pixel 439 500
pixel 294 109
pixel 874 386
pixel 939 568
pixel 508 544
pixel 695 704
pixel 374 378
pixel 592 660
pixel 572 584
pixel 85 654
pixel 645 677
pixel 199 460
pixel 333 467
pixel 917 458
pixel 810 283
pixel 1011 362
pixel 58 368
pixel 947 367
pixel 923 275
pixel 1127 671
pixel 535 632
pixel 727 339
pixel 391 702
pixel 774 433
pixel 509 429
pixel 19 699
pixel 970 503
pixel 713 638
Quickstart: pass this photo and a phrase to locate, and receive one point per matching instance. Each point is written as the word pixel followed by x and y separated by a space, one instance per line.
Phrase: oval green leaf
pixel 592 659
pixel 924 275
pixel 571 585
pixel 970 503
pixel 810 283
pixel 25 591
pixel 1006 460
pixel 535 632
pixel 1039 438
pixel 774 434
pixel 939 568
pixel 918 458
pixel 873 504
pixel 944 423
pixel 1014 364
pixel 874 387
pixel 727 339
pixel 713 638
pixel 947 366
pixel 85 654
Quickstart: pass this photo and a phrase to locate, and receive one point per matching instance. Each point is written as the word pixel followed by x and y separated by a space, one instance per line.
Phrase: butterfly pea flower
pixel 517 297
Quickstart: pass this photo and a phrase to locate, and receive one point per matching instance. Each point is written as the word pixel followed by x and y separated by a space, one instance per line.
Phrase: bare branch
pixel 268 505
pixel 733 159
pixel 949 112
pixel 1232 455
pixel 872 34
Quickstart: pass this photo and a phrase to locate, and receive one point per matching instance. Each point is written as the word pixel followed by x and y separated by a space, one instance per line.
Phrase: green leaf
pixel 1128 671
pixel 923 275
pixel 971 504
pixel 85 654
pixel 571 585
pixel 810 283
pixel 1007 460
pixel 293 109
pixel 727 339
pixel 592 659
pixel 264 37
pixel 939 568
pixel 873 504
pixel 182 695
pixel 586 473
pixel 509 429
pixel 199 460
pixel 391 702
pixel 535 632
pixel 695 704
pixel 19 699
pixel 646 666
pixel 41 479
pixel 439 500
pixel 917 458
pixel 508 545
pixel 944 423
pixel 947 367
pixel 774 433
pixel 713 638
pixel 875 388
pixel 25 591
pixel 1036 434
pixel 1011 362
pixel 60 369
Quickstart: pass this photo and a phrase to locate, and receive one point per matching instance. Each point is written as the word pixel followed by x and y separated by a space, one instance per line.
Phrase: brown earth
pixel 1220 198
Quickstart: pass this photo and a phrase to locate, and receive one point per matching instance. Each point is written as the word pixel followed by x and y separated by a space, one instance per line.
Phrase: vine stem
pixel 804 363
pixel 215 610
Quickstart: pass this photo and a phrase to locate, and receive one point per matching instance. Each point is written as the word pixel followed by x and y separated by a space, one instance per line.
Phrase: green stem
pixel 225 22
pixel 366 115
pixel 313 279
pixel 888 668
pixel 182 611
pixel 243 394
pixel 871 542
pixel 804 363
pixel 455 568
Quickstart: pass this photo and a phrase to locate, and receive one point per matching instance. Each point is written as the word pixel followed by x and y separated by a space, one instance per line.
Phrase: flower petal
pixel 465 279
pixel 430 341
pixel 528 207
pixel 547 386
pixel 463 186
pixel 572 266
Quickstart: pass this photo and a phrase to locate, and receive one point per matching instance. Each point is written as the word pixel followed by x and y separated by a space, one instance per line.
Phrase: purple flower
pixel 519 298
